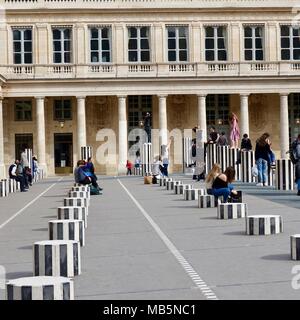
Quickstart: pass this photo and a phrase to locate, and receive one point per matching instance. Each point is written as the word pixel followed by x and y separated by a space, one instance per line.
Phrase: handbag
pixel 254 171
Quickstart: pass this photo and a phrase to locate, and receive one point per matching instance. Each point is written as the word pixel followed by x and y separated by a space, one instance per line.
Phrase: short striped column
pixel 271 178
pixel 67 230
pixel 179 188
pixel 247 163
pixel 171 185
pixel 295 247
pixel 165 181
pixel 263 224
pixel 284 174
pixel 223 156
pixel 40 288
pixel 137 171
pixel 211 156
pixel 58 258
pixel 86 152
pixel 12 185
pixel 232 210
pixel 207 201
pixel 79 194
pixel 76 202
pixel 72 213
pixel 81 188
pixel 232 161
pixel 192 194
pixel 3 188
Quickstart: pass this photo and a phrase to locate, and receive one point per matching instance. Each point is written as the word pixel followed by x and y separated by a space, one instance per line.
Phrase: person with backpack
pixel 85 176
pixel 296 161
pixel 15 172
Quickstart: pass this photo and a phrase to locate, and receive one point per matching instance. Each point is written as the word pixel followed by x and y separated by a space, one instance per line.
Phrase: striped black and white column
pixel 81 188
pixel 211 156
pixel 165 181
pixel 207 201
pixel 171 185
pixel 232 210
pixel 80 194
pixel 86 152
pixel 247 163
pixel 192 194
pixel 146 158
pixel 187 152
pixel 67 230
pixel 58 258
pixel 179 188
pixel 137 171
pixel 284 174
pixel 223 156
pixel 12 185
pixel 40 288
pixel 233 156
pixel 76 202
pixel 3 188
pixel 295 247
pixel 263 224
pixel 72 213
pixel 28 153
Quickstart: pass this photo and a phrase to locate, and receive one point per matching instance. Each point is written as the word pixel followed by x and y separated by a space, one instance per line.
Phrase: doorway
pixel 63 153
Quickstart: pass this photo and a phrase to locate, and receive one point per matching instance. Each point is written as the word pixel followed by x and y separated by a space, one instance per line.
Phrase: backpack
pixel 10 170
pixel 293 152
pixel 94 191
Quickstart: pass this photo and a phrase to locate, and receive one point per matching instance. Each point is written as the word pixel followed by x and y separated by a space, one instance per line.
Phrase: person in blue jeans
pixel 262 158
pixel 222 185
pixel 297 165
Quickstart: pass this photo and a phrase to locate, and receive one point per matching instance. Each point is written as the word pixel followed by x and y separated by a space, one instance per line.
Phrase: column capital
pixel 122 96
pixel 202 95
pixel 39 98
pixel 80 97
pixel 282 94
pixel 244 94
pixel 161 96
pixel 1 98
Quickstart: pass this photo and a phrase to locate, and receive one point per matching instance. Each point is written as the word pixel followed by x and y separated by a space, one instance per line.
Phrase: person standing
pixel 129 168
pixel 147 126
pixel 296 151
pixel 25 165
pixel 262 158
pixel 235 131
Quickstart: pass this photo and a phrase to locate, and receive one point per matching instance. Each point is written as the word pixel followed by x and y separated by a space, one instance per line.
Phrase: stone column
pixel 81 125
pixel 202 115
pixel 244 111
pixel 2 167
pixel 41 133
pixel 284 126
pixel 162 120
pixel 123 134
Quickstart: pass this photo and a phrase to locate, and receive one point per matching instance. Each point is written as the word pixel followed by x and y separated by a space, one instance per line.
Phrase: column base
pixel 122 170
pixel 2 171
pixel 43 167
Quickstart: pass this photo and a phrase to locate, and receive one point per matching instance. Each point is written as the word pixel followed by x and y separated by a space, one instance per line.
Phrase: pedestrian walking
pixel 262 158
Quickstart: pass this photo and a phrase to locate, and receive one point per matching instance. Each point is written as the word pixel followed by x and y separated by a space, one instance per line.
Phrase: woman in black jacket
pixel 262 158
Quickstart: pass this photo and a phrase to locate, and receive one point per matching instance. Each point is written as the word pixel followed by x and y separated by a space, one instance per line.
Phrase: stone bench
pixel 295 247
pixel 72 213
pixel 40 288
pixel 58 258
pixel 263 224
pixel 67 230
pixel 179 188
pixel 193 194
pixel 207 201
pixel 232 210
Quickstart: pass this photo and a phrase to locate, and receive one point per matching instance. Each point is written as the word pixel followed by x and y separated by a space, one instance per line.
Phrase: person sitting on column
pixel 90 166
pixel 246 144
pixel 222 140
pixel 296 153
pixel 222 185
pixel 235 130
pixel 85 176
pixel 147 125
pixel 157 169
pixel 262 158
pixel 210 178
pixel 15 171
pixel 129 167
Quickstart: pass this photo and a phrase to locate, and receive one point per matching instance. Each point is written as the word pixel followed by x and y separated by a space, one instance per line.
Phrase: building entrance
pixel 63 153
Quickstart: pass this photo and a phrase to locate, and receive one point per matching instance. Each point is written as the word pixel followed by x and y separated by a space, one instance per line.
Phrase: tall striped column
pixel 223 157
pixel 284 174
pixel 146 158
pixel 211 156
pixel 187 152
pixel 86 152
pixel 295 247
pixel 58 258
pixel 40 288
pixel 233 158
pixel 28 153
pixel 247 163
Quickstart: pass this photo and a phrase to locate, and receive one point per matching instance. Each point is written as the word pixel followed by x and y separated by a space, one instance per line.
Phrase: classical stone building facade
pixel 69 69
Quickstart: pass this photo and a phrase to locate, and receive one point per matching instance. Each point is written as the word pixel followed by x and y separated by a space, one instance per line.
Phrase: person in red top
pixel 129 167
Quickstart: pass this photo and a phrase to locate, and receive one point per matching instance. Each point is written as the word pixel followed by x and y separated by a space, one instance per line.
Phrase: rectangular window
pixel 100 45
pixel 22 140
pixel 138 44
pixel 62 109
pixel 215 43
pixel 253 43
pixel 22 46
pixel 290 42
pixel 217 111
pixel 23 111
pixel 177 44
pixel 62 44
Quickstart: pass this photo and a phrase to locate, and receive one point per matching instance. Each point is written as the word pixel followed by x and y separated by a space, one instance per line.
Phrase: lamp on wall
pixel 297 121
pixel 141 123
pixel 62 123
pixel 219 122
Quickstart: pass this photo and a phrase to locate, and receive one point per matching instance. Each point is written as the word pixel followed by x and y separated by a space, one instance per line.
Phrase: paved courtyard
pixel 144 242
